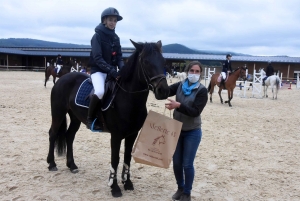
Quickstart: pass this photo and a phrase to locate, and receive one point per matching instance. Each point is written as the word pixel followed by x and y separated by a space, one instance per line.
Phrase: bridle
pixel 242 68
pixel 147 78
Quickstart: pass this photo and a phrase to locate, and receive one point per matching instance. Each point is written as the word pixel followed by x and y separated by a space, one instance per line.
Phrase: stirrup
pixel 92 127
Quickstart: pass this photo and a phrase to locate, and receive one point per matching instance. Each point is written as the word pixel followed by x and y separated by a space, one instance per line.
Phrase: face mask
pixel 193 78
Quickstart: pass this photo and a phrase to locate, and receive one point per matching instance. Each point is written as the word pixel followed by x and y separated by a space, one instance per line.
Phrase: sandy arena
pixel 248 152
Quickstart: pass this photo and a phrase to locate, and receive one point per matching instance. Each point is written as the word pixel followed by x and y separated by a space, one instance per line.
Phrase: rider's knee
pixel 99 94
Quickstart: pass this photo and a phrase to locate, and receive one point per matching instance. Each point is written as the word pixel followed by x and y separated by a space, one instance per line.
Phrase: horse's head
pixel 152 65
pixel 243 73
pixel 261 70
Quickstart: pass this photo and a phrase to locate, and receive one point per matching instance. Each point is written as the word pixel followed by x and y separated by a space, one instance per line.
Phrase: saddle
pixel 86 90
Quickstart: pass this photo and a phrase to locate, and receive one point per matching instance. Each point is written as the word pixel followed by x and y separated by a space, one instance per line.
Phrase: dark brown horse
pixel 230 83
pixel 50 70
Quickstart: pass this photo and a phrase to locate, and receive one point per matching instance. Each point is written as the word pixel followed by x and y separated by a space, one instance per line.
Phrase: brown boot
pixel 92 122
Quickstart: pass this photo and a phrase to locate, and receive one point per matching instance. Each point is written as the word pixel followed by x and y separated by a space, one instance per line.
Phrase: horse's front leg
pixel 219 92
pixel 54 78
pixel 115 144
pixel 129 141
pixel 230 95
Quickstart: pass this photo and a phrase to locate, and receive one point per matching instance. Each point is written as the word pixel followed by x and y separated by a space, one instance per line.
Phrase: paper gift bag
pixel 157 140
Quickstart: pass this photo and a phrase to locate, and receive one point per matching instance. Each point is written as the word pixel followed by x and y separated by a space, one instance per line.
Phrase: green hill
pixel 27 42
pixel 171 48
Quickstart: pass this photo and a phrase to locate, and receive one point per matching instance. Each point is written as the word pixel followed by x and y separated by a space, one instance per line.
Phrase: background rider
pixel 226 69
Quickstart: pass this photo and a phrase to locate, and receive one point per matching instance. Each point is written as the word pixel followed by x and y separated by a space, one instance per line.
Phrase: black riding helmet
pixel 228 55
pixel 111 12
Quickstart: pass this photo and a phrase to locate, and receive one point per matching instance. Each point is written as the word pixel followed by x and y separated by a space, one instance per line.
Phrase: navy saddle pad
pixel 83 94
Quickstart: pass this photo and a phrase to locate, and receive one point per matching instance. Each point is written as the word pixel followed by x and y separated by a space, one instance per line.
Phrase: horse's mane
pixel 127 71
pixel 239 68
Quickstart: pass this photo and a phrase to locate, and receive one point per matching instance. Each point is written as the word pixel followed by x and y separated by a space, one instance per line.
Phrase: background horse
pixel 230 83
pixel 180 75
pixel 50 70
pixel 144 71
pixel 273 81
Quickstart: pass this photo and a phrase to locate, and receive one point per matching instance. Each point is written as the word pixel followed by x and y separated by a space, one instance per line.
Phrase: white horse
pixel 273 81
pixel 181 76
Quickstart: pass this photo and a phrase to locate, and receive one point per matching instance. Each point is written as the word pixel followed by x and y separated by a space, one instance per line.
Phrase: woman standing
pixel 191 98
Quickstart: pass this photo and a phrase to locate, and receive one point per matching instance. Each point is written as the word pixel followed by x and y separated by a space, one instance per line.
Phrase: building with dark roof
pixel 37 58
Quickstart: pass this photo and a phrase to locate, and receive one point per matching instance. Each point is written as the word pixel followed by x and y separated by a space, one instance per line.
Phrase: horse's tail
pixel 208 88
pixel 277 83
pixel 60 141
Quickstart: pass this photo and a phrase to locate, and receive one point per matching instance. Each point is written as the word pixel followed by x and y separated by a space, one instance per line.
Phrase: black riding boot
pixel 93 123
pixel 223 83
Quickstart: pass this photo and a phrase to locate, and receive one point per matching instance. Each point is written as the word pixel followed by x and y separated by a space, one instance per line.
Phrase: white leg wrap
pixel 111 176
pixel 125 172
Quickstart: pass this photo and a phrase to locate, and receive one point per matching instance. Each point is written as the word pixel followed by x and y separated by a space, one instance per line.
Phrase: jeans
pixel 183 158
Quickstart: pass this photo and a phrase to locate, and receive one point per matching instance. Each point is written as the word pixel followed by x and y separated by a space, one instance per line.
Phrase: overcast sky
pixel 256 27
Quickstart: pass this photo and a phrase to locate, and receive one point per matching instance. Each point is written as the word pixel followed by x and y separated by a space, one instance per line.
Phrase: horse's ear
pixel 137 46
pixel 159 44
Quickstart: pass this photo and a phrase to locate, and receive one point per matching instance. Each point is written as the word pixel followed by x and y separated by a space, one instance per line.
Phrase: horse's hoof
pixel 115 189
pixel 52 168
pixel 116 193
pixel 74 171
pixel 128 185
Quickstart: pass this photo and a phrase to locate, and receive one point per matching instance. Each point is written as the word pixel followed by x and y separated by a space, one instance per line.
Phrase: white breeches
pixel 58 67
pixel 98 80
pixel 223 75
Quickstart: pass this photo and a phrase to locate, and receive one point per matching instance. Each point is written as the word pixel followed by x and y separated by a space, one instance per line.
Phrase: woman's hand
pixel 172 104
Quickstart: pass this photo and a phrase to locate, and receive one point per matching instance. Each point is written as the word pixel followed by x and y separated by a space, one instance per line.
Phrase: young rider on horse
pixel 269 72
pixel 59 63
pixel 226 69
pixel 105 56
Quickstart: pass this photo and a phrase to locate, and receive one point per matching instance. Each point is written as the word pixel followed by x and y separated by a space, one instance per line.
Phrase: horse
pixel 181 76
pixel 50 70
pixel 230 83
pixel 273 81
pixel 159 140
pixel 143 72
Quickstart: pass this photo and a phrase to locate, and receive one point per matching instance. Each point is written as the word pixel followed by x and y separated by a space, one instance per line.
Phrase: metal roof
pixel 280 59
pixel 126 53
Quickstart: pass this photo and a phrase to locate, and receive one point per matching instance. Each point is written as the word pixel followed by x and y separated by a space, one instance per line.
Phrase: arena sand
pixel 248 152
